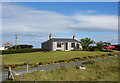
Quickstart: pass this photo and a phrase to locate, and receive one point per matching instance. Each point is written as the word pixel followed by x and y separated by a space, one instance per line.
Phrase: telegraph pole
pixel 15 41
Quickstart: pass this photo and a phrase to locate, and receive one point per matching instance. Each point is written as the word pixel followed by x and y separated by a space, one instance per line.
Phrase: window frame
pixel 59 44
pixel 72 44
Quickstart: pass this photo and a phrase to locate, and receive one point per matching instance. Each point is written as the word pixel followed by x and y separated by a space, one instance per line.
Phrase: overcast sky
pixel 33 22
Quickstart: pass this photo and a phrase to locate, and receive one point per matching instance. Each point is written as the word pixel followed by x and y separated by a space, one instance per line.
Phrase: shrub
pixel 100 45
pixel 92 56
pixel 63 60
pixel 52 62
pixel 48 62
pixel 21 46
pixel 6 67
pixel 77 58
pixel 16 64
pixel 67 61
pixel 70 60
pixel 97 49
pixel 82 59
pixel 31 64
pixel 55 62
pixel 40 63
pixel 103 55
pixel 13 51
pixel 60 61
pixel 25 63
pixel 12 66
pixel 85 57
pixel 91 48
pixel 35 65
pixel 89 57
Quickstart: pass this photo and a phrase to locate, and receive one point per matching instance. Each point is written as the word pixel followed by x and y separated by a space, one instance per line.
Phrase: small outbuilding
pixel 5 46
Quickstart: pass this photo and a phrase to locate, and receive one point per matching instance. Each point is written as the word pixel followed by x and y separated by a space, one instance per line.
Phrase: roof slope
pixel 7 44
pixel 63 40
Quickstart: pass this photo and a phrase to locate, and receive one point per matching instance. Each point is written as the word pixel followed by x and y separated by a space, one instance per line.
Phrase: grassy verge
pixel 45 56
pixel 98 71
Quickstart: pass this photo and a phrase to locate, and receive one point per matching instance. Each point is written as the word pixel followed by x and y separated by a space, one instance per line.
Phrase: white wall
pixel 2 48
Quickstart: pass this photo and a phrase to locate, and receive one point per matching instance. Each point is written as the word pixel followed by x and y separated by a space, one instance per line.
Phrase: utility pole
pixel 15 41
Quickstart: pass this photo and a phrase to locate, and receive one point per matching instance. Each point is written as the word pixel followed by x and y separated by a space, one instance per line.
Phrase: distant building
pixel 61 44
pixel 5 46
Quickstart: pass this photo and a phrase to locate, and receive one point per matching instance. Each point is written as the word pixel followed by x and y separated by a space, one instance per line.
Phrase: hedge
pixel 21 51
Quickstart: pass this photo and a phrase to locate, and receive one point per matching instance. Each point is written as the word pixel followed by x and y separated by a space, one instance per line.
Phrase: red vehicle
pixel 109 47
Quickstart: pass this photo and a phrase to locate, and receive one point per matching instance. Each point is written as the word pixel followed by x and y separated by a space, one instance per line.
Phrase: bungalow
pixel 61 44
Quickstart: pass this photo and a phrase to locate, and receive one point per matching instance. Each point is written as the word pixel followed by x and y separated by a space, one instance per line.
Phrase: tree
pixel 100 45
pixel 86 42
pixel 22 47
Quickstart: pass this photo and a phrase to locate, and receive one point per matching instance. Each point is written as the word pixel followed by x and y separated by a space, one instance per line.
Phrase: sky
pixel 34 21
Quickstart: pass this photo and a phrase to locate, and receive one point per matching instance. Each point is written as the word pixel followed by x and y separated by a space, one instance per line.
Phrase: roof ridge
pixel 62 38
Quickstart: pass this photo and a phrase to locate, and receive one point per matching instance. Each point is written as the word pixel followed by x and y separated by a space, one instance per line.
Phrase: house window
pixel 58 44
pixel 73 45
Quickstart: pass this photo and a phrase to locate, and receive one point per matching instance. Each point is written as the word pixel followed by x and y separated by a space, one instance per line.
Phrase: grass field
pixel 35 57
pixel 99 71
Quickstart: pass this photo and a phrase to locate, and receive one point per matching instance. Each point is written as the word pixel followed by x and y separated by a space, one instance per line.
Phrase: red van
pixel 109 47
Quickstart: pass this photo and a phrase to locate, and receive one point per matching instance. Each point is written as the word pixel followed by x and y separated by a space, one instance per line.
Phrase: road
pixel 5 73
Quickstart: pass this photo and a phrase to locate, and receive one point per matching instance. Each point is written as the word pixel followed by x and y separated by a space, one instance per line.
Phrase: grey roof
pixel 8 44
pixel 63 40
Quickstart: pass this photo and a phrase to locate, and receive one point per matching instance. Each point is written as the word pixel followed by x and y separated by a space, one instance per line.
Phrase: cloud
pixel 103 23
pixel 91 11
pixel 112 38
pixel 30 22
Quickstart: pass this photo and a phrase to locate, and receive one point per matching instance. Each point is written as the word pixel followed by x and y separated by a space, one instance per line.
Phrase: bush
pixel 97 49
pixel 21 51
pixel 16 64
pixel 103 55
pixel 40 63
pixel 91 48
pixel 55 62
pixel 21 46
pixel 25 63
pixel 84 57
pixel 12 66
pixel 61 61
pixel 100 45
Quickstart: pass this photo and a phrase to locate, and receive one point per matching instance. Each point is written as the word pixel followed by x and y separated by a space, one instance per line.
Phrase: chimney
pixel 50 36
pixel 74 36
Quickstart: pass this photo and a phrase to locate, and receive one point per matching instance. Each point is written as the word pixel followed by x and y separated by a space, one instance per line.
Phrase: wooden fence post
pixel 20 77
pixel 10 74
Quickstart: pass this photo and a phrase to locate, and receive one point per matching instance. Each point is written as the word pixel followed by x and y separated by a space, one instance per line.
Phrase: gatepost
pixel 27 65
pixel 10 74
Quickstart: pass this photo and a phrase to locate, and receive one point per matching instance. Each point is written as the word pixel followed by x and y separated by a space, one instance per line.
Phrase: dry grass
pixel 100 71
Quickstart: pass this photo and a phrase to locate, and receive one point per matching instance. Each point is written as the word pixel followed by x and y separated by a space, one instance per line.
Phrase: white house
pixel 5 46
pixel 61 44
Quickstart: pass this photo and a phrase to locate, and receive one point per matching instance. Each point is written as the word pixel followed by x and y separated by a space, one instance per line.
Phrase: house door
pixel 66 46
pixel 78 46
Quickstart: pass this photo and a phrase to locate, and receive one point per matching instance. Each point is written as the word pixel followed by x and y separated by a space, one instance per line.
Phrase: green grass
pixel 100 71
pixel 35 57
